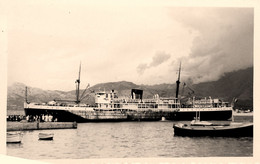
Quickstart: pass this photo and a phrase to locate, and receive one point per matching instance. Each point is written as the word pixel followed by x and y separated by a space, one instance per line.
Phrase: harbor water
pixel 126 140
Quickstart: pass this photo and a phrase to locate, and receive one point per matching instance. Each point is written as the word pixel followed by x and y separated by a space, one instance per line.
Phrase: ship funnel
pixel 137 94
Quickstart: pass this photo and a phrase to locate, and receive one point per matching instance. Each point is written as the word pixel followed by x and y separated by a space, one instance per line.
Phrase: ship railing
pixel 135 109
pixel 164 100
pixel 58 107
pixel 145 105
pixel 157 110
pixel 210 103
pixel 205 109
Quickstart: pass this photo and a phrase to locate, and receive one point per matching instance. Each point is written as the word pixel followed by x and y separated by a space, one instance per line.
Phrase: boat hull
pixel 13 137
pixel 45 136
pixel 233 130
pixel 150 115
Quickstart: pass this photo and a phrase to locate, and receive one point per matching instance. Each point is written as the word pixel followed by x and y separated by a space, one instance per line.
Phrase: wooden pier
pixel 18 126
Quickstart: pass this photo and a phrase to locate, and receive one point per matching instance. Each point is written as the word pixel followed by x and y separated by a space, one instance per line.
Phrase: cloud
pixel 158 58
pixel 141 68
pixel 224 41
pixel 120 43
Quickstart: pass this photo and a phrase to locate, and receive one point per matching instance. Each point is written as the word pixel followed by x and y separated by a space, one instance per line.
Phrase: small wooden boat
pixel 225 130
pixel 205 128
pixel 46 136
pixel 14 137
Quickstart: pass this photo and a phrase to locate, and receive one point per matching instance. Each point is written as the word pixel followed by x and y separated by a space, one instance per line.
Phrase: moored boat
pixel 45 136
pixel 198 128
pixel 14 137
pixel 216 130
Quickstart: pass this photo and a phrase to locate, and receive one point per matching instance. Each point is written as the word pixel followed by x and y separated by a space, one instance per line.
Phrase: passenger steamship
pixel 108 107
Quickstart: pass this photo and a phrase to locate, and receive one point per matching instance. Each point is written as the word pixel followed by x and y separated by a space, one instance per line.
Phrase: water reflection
pixel 14 145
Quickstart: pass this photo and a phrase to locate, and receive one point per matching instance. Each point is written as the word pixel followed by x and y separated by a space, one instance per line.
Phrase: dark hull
pixel 17 142
pixel 180 116
pixel 68 116
pixel 48 138
pixel 244 130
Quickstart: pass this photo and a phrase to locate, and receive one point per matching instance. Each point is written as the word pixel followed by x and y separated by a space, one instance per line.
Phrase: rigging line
pixel 85 97
pixel 84 92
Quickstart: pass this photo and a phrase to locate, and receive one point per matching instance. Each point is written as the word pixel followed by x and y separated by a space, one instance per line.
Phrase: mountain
pixel 16 95
pixel 237 84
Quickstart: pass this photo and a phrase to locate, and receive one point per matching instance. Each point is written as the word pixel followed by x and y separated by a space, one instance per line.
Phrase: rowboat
pixel 14 137
pixel 45 136
pixel 216 130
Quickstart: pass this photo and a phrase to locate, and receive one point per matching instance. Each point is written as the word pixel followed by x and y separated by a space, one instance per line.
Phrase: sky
pixel 143 44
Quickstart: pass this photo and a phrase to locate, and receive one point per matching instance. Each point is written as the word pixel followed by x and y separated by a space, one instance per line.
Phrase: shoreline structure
pixel 21 126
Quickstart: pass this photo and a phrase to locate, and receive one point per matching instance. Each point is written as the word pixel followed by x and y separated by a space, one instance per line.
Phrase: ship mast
pixel 77 86
pixel 178 82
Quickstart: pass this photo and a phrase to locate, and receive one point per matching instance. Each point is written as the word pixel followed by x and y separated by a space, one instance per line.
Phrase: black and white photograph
pixel 119 80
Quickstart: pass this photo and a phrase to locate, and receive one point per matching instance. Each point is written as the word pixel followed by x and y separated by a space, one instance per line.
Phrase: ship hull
pixel 181 116
pixel 103 116
pixel 76 116
pixel 204 115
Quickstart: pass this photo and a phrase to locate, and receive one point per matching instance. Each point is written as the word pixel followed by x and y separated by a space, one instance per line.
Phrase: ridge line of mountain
pixel 238 84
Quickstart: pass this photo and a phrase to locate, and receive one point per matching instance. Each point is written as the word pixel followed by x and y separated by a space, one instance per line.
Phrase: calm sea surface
pixel 126 140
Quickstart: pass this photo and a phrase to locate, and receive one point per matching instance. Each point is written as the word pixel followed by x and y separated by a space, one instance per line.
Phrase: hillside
pixel 238 84
pixel 16 95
